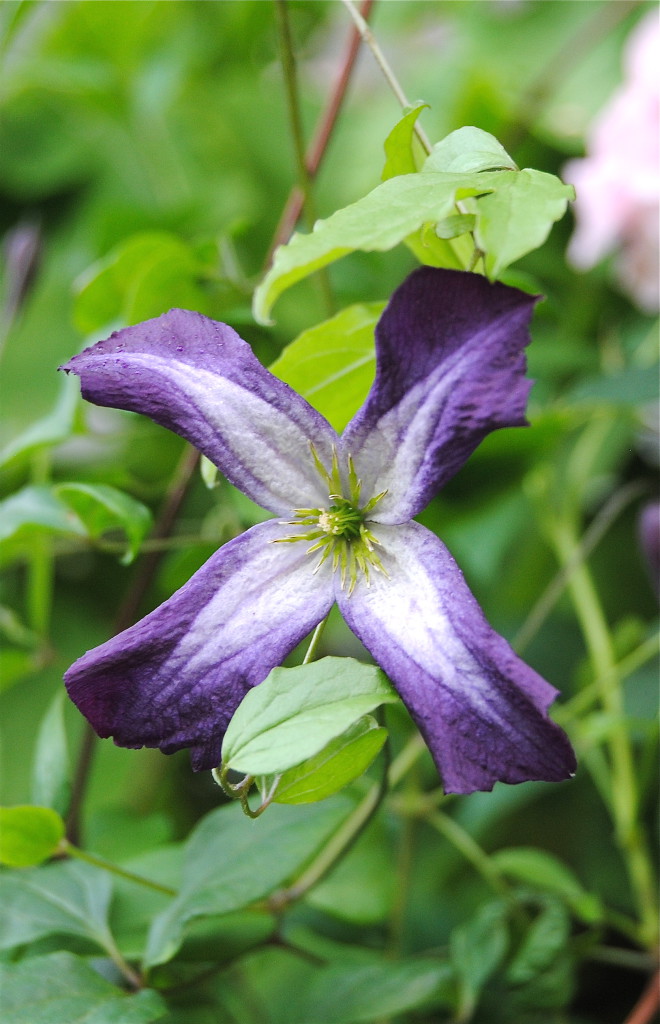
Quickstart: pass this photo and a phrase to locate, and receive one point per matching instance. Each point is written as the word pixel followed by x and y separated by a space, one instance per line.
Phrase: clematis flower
pixel 450 368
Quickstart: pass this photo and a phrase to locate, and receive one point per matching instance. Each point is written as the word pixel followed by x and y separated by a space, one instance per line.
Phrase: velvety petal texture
pixel 481 710
pixel 450 368
pixel 200 379
pixel 176 677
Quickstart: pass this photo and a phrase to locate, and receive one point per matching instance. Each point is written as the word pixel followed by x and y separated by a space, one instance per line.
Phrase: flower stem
pixel 624 791
pixel 351 828
pixel 473 853
pixel 605 518
pixel 70 850
pixel 314 642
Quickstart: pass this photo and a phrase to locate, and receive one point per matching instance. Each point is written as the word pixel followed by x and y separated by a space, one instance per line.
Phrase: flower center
pixel 340 531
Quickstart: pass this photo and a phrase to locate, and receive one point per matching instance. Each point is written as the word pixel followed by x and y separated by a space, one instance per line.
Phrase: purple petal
pixel 175 679
pixel 450 368
pixel 481 710
pixel 199 379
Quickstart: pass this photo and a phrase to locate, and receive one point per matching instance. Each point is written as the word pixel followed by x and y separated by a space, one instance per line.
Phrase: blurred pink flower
pixel 618 182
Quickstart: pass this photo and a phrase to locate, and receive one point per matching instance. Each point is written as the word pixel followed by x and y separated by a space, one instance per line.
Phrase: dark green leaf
pixel 544 870
pixel 353 994
pixel 50 771
pixel 544 940
pixel 63 989
pixel 232 861
pixel 64 898
pixel 477 948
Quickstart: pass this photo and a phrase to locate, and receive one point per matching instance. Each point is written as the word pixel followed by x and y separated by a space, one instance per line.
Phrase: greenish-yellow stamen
pixel 340 531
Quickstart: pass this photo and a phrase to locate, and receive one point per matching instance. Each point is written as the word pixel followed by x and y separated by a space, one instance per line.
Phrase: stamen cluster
pixel 340 531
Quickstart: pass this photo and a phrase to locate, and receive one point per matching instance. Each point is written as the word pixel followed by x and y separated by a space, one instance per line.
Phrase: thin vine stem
pixel 321 138
pixel 70 850
pixel 591 538
pixel 624 790
pixel 385 67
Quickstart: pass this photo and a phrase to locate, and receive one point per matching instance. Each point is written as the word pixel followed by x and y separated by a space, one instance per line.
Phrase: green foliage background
pixel 148 144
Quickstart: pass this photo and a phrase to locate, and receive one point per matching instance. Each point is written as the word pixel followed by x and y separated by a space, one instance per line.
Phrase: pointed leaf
pixel 399 152
pixel 50 772
pixel 63 898
pixel 332 364
pixel 102 508
pixel 296 711
pixel 232 861
pixel 469 149
pixel 340 762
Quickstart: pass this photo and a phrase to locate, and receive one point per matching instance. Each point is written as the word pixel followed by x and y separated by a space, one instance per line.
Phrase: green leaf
pixel 62 898
pixel 516 218
pixel 340 762
pixel 356 993
pixel 477 948
pixel 293 714
pixel 33 506
pixel 50 772
pixel 332 364
pixel 399 152
pixel 102 508
pixel 50 430
pixel 142 277
pixel 232 861
pixel 543 870
pixel 544 940
pixel 378 221
pixel 62 987
pixel 469 149
pixel 28 835
pixel 513 222
pixel 456 225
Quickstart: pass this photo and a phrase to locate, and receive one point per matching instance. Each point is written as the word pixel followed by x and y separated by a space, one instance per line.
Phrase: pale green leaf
pixel 469 149
pixel 378 221
pixel 293 714
pixel 28 835
pixel 516 218
pixel 102 508
pixel 332 364
pixel 51 429
pixel 341 761
pixel 399 151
